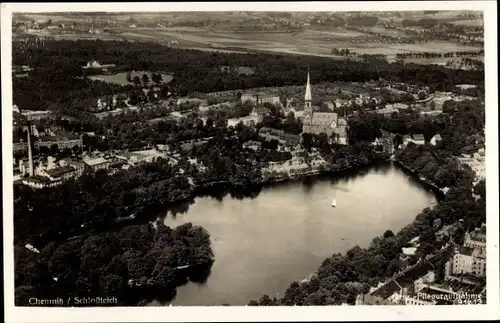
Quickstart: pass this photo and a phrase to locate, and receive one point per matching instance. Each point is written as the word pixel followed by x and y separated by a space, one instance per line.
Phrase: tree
pixel 54 149
pixel 157 78
pixel 388 234
pixel 129 77
pixel 137 80
pixel 145 79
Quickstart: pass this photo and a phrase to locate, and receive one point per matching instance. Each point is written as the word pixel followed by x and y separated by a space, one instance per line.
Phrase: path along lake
pixel 263 244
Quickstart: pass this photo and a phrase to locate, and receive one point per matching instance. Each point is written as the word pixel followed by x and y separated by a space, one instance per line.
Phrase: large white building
pixel 467 260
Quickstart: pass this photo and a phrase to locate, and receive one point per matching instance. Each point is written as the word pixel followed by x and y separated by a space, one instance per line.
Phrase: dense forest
pixel 54 82
pixel 135 264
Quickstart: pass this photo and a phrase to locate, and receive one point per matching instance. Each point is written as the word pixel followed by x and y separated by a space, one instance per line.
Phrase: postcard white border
pixel 226 314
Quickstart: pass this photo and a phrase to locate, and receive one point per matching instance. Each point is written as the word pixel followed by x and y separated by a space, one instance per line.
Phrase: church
pixel 322 122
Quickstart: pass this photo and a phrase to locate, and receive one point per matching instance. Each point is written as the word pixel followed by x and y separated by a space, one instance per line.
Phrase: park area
pixel 121 78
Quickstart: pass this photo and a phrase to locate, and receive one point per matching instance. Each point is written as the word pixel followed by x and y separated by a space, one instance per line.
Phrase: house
pixel 435 139
pixel 259 113
pixel 247 121
pixel 298 112
pixel 61 138
pixel 408 251
pixel 78 166
pixel 417 139
pixel 95 164
pixel 446 231
pixel 386 141
pixel 401 106
pixel 476 238
pixel 260 99
pixel 467 260
pixel 387 111
pixel 142 156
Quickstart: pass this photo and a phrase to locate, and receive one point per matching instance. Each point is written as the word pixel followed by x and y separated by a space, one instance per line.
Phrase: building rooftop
pixel 271 130
pixel 329 117
pixel 261 109
pixel 37 179
pixel 479 253
pixel 95 161
pixel 438 137
pixel 59 171
pixel 418 136
pixel 409 251
pixel 48 138
pixel 466 251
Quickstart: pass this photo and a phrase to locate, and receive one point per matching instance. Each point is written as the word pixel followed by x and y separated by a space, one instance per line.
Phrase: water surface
pixel 263 244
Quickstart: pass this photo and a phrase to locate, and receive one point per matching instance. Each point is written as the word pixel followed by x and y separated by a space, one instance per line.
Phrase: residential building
pixel 259 99
pixel 247 121
pixel 435 139
pixel 259 112
pixel 386 141
pixel 63 139
pixel 387 111
pixel 142 156
pixel 476 238
pixel 252 144
pixel 36 115
pixel 417 139
pixel 98 163
pixel 96 65
pixel 467 260
pixel 280 135
pixel 446 232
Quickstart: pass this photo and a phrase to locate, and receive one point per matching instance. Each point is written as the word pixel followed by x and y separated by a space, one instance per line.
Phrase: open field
pixel 306 42
pixel 121 78
pixel 469 22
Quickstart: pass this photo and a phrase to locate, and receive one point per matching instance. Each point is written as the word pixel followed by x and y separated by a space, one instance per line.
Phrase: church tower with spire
pixel 308 98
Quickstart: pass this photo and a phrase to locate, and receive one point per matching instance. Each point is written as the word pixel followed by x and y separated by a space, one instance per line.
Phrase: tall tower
pixel 30 154
pixel 308 98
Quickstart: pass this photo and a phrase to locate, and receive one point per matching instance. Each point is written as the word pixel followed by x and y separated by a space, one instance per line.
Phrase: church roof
pixel 324 116
pixel 308 96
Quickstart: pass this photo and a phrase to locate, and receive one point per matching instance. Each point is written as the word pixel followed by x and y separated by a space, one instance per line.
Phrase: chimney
pixel 30 154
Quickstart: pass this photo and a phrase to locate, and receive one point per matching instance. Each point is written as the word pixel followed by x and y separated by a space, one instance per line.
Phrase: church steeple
pixel 308 97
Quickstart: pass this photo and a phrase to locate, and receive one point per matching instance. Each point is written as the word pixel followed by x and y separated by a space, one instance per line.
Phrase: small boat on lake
pixel 334 203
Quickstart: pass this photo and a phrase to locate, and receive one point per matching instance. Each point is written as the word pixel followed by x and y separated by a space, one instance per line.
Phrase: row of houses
pixel 463 282
pixel 386 140
pixel 48 138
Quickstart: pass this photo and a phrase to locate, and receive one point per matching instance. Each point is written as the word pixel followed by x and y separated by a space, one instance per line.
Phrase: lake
pixel 263 244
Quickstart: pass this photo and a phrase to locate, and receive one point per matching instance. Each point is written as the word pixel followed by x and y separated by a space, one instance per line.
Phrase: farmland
pixel 235 32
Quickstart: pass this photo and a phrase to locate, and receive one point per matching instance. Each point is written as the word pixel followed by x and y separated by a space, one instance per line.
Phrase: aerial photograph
pixel 248 158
